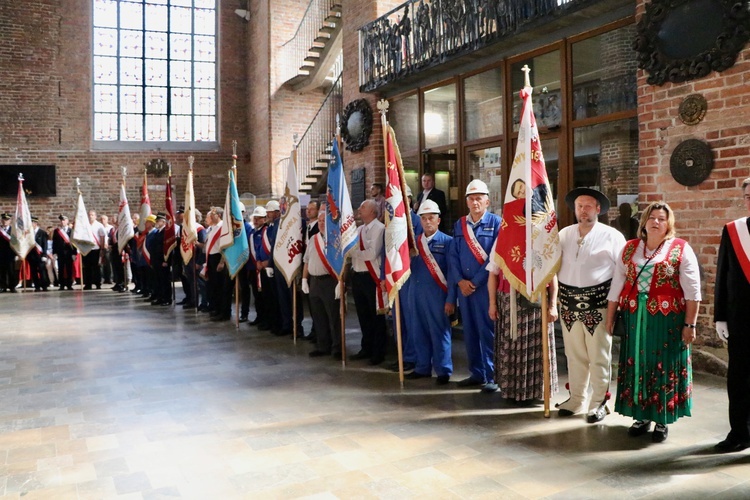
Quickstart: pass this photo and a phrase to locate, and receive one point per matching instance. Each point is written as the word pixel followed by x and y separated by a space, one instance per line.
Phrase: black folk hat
pixel 570 198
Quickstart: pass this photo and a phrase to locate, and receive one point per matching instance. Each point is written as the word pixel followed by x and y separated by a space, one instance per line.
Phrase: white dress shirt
pixel 372 236
pixel 589 261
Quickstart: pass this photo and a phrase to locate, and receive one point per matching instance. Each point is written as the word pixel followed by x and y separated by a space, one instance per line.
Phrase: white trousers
pixel 589 364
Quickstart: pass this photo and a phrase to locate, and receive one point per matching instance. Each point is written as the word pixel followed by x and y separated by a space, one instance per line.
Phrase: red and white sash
pixel 5 234
pixel 431 263
pixel 266 242
pixel 740 237
pixel 379 293
pixel 214 239
pixel 318 239
pixel 144 249
pixel 63 235
pixel 471 241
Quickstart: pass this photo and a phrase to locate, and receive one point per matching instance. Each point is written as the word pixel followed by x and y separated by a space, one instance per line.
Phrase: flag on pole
pixel 21 231
pixel 528 248
pixel 287 252
pixel 82 237
pixel 145 210
pixel 170 235
pixel 399 234
pixel 125 230
pixel 189 232
pixel 233 240
pixel 341 228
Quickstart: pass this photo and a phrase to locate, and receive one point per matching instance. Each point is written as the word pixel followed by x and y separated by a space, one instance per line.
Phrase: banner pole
pixel 294 312
pixel 399 344
pixel 237 303
pixel 545 353
pixel 342 307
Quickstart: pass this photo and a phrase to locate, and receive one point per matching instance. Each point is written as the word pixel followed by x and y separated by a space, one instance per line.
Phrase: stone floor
pixel 104 396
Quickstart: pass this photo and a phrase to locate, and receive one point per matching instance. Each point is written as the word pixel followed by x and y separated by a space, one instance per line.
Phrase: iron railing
pixel 422 33
pixel 294 52
pixel 314 146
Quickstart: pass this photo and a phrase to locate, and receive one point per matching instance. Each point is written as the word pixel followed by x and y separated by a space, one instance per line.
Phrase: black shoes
pixel 639 428
pixel 359 355
pixel 731 446
pixel 416 375
pixel 660 433
pixel 470 382
pixel 318 354
pixel 243 319
pixel 443 379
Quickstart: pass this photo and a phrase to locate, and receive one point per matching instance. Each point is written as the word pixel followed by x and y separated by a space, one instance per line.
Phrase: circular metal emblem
pixel 693 109
pixel 691 162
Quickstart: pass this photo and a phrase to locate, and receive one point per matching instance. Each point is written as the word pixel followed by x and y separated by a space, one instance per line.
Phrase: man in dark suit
pixel 37 258
pixel 430 192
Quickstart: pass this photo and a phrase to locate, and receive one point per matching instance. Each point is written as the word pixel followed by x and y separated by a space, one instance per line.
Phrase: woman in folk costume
pixel 519 365
pixel 657 287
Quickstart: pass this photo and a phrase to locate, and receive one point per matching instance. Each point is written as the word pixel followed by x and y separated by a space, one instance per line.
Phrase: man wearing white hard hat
pixel 473 236
pixel 430 328
pixel 267 280
pixel 243 277
pixel 257 256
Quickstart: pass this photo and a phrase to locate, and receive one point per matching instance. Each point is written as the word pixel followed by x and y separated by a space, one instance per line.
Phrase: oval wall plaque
pixel 693 109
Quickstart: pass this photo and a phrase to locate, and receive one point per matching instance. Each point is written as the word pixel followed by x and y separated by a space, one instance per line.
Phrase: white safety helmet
pixel 259 212
pixel 428 207
pixel 272 206
pixel 477 187
pixel 242 207
pixel 408 191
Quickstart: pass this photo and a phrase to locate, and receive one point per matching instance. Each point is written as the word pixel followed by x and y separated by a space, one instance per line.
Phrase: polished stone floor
pixel 104 396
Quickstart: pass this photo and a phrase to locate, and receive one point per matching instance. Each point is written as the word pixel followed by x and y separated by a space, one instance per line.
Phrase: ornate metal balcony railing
pixel 422 33
pixel 319 20
pixel 314 146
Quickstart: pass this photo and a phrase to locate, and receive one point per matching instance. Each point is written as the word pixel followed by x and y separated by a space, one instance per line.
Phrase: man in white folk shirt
pixel 92 272
pixel 589 254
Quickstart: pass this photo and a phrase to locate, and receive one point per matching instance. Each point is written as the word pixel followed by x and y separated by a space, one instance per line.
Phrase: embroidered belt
pixel 583 304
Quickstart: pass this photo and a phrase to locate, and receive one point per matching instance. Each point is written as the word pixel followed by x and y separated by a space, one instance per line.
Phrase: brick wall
pixel 701 210
pixel 45 111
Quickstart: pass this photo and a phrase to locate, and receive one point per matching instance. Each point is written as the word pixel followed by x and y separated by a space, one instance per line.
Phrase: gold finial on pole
pixel 78 185
pixel 169 169
pixel 526 70
pixel 234 155
pixel 191 160
pixel 383 106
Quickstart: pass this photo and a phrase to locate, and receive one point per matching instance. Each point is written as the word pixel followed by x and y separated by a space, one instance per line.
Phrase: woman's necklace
pixel 649 257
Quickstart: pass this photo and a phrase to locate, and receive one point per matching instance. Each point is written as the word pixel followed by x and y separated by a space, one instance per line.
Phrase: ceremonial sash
pixel 379 294
pixel 38 248
pixel 318 238
pixel 471 241
pixel 63 235
pixel 214 239
pixel 740 238
pixel 5 234
pixel 144 249
pixel 431 263
pixel 266 242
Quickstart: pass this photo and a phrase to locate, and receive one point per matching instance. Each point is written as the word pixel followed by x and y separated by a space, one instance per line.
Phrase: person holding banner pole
pixel 64 252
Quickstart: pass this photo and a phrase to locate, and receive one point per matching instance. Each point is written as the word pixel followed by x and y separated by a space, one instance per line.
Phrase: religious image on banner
pixel 287 252
pixel 341 227
pixel 145 209
pixel 82 237
pixel 21 230
pixel 170 233
pixel 189 232
pixel 125 230
pixel 528 248
pixel 233 240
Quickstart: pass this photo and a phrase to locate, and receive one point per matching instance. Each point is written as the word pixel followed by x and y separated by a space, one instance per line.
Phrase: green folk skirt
pixel 655 376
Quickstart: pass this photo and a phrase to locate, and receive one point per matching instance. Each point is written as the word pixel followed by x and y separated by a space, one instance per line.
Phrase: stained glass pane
pixel 105 42
pixel 105 13
pixel 205 48
pixel 131 43
pixel 156 126
pixel 181 129
pixel 105 98
pixel 180 74
pixel 105 69
pixel 131 99
pixel 180 47
pixel 180 20
pixel 156 100
pixel 205 75
pixel 132 127
pixel 156 18
pixel 156 73
pixel 131 15
pixel 105 127
pixel 156 45
pixel 205 102
pixel 182 101
pixel 131 71
pixel 205 128
pixel 205 21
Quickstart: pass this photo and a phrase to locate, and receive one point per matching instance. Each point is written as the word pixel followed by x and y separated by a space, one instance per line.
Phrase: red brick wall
pixel 45 103
pixel 701 210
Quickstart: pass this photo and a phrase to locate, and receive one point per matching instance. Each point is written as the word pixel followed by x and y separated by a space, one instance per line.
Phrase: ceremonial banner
pixel 21 231
pixel 170 236
pixel 399 235
pixel 528 248
pixel 233 239
pixel 145 210
pixel 341 228
pixel 82 237
pixel 287 253
pixel 189 232
pixel 125 230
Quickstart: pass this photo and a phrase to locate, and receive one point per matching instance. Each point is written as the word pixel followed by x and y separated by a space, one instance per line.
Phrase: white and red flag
pixel 21 230
pixel 189 231
pixel 287 252
pixel 528 247
pixel 170 233
pixel 125 230
pixel 145 209
pixel 82 237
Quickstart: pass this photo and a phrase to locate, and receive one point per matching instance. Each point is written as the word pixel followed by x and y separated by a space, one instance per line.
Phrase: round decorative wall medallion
pixel 691 162
pixel 693 109
pixel 356 125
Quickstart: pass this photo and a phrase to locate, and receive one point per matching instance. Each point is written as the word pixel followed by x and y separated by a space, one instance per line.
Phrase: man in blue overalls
pixel 430 328
pixel 473 236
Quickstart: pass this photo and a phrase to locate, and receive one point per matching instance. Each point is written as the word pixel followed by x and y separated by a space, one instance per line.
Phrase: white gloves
pixel 44 259
pixel 722 330
pixel 305 286
pixel 269 272
pixel 337 295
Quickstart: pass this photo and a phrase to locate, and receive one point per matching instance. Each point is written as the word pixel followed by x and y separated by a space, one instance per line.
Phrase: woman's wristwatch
pixel 688 325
